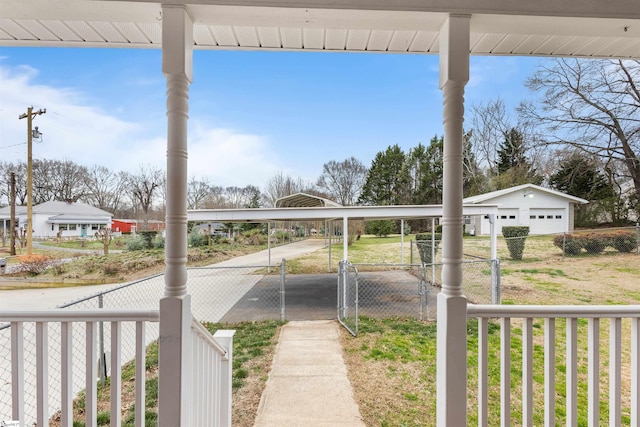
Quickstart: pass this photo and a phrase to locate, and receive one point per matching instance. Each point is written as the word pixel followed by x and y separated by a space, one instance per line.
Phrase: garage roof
pixel 480 198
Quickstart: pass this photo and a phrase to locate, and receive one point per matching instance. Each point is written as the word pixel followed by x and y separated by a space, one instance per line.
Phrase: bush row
pixel 595 243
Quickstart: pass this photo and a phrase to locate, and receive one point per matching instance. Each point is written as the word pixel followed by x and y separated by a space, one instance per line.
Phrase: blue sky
pixel 252 114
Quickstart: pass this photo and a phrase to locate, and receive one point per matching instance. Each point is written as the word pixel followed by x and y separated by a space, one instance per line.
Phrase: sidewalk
pixel 308 384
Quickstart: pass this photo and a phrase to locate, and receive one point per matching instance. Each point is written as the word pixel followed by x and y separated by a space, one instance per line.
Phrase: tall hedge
pixel 515 237
pixel 423 242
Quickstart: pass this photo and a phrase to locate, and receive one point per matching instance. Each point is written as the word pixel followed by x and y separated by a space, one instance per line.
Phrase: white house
pixel 543 210
pixel 73 219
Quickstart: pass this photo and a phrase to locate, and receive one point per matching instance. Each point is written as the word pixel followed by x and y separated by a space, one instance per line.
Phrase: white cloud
pixel 228 157
pixel 77 131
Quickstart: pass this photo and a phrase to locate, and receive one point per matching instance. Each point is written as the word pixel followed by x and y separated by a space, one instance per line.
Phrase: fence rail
pixel 574 347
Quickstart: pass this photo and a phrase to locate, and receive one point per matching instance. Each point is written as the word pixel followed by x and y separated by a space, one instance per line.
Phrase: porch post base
pixel 451 360
pixel 174 356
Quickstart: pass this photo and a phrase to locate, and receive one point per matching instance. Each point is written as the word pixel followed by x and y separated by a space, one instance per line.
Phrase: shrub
pixel 624 242
pixel 35 264
pixel 255 236
pixel 197 239
pixel 515 237
pixel 594 243
pixel 111 268
pixel 158 241
pixel 136 244
pixel 147 237
pixel 380 228
pixel 568 243
pixel 423 242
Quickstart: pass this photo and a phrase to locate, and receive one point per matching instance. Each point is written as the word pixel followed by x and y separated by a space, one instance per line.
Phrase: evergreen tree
pixel 388 179
pixel 513 166
pixel 580 176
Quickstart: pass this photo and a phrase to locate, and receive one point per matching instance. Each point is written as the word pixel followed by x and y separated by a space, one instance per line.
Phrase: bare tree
pixel 198 190
pixel 343 180
pixel 20 169
pixel 144 188
pixel 105 189
pixel 490 122
pixel 280 185
pixel 492 127
pixel 592 105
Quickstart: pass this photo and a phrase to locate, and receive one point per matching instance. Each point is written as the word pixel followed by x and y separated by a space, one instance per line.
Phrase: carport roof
pixel 303 200
pixel 330 213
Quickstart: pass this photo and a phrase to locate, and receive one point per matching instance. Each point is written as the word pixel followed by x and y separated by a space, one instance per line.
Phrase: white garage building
pixel 543 210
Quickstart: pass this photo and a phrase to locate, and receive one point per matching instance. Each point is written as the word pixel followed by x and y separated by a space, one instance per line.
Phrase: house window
pixel 558 216
pixel 540 216
pixel 549 216
pixel 532 217
pixel 467 220
pixel 512 217
pixel 503 217
pixel 95 227
pixel 72 227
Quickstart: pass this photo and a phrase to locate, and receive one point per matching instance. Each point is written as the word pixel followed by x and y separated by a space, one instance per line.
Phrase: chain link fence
pixel 215 292
pixel 348 296
pixel 543 247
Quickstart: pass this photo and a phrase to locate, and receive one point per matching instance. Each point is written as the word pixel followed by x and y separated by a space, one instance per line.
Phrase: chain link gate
pixel 348 296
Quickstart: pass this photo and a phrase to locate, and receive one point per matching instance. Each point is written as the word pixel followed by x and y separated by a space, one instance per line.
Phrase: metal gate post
pixel 283 272
pixel 102 366
pixel 495 282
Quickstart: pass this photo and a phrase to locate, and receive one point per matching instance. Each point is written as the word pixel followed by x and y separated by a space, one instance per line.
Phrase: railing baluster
pixel 550 372
pixel 42 373
pixel 527 372
pixel 116 375
pixel 141 371
pixel 91 398
pixel 66 374
pixel 483 372
pixel 505 372
pixel 594 372
pixel 17 371
pixel 635 372
pixel 615 360
pixel 572 372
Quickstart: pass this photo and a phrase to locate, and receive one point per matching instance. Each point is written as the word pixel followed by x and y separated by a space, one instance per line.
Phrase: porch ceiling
pixel 587 28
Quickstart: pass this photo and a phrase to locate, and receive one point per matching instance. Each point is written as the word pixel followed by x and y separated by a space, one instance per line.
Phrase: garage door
pixel 507 218
pixel 547 221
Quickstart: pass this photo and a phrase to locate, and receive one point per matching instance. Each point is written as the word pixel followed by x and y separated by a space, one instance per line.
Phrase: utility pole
pixel 29 115
pixel 12 232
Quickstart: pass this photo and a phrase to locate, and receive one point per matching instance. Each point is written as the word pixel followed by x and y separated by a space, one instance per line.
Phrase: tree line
pixel 579 134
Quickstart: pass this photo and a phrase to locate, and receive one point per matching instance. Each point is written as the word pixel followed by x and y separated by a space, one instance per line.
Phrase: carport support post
pixel 452 305
pixel 174 372
pixel 402 241
pixel 345 239
pixel 269 247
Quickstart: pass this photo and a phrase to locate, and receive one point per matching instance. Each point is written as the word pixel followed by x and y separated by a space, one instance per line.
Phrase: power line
pixel 14 145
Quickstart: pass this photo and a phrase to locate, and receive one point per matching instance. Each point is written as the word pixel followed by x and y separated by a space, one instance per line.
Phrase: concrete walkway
pixel 308 384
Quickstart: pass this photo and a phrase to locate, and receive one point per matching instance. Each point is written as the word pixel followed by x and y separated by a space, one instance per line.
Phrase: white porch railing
pixel 43 377
pixel 618 360
pixel 46 364
pixel 211 371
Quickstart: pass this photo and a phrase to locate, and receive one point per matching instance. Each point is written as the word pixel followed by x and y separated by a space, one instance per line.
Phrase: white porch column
pixel 175 308
pixel 452 305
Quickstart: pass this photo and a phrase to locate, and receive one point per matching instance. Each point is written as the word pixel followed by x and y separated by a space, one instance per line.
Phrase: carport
pixel 332 213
